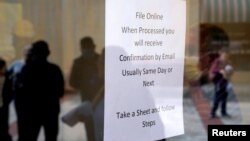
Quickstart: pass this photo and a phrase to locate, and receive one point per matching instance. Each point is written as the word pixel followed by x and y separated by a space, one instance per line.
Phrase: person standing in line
pixel 83 75
pixel 4 102
pixel 14 71
pixel 8 76
pixel 38 89
pixel 84 78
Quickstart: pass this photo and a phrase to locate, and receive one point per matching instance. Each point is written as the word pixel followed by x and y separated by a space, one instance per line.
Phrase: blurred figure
pixel 4 102
pixel 218 74
pixel 212 40
pixel 13 71
pixel 214 57
pixel 83 75
pixel 38 88
pixel 84 78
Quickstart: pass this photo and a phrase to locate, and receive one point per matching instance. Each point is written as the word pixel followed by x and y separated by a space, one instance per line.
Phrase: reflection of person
pixel 214 43
pixel 38 88
pixel 4 102
pixel 84 78
pixel 218 75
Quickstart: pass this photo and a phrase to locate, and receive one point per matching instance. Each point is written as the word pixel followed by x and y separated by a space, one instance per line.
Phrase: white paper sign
pixel 144 63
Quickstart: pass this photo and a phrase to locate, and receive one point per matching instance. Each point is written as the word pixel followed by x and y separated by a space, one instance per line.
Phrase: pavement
pixel 196 107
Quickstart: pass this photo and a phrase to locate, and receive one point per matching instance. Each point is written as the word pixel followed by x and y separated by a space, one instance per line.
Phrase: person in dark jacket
pixel 84 77
pixel 38 89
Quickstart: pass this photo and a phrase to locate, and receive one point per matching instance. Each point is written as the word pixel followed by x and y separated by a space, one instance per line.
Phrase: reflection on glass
pixel 212 26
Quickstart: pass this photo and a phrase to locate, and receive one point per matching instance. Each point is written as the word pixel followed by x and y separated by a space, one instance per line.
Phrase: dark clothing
pixel 38 88
pixel 4 127
pixel 4 110
pixel 50 124
pixel 7 89
pixel 14 69
pixel 221 94
pixel 84 75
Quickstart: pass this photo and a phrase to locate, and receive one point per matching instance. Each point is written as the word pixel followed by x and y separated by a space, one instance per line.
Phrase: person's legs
pixel 89 124
pixel 224 104
pixel 51 127
pixel 35 126
pixel 219 86
pixel 216 102
pixel 22 122
pixel 224 95
pixel 4 127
